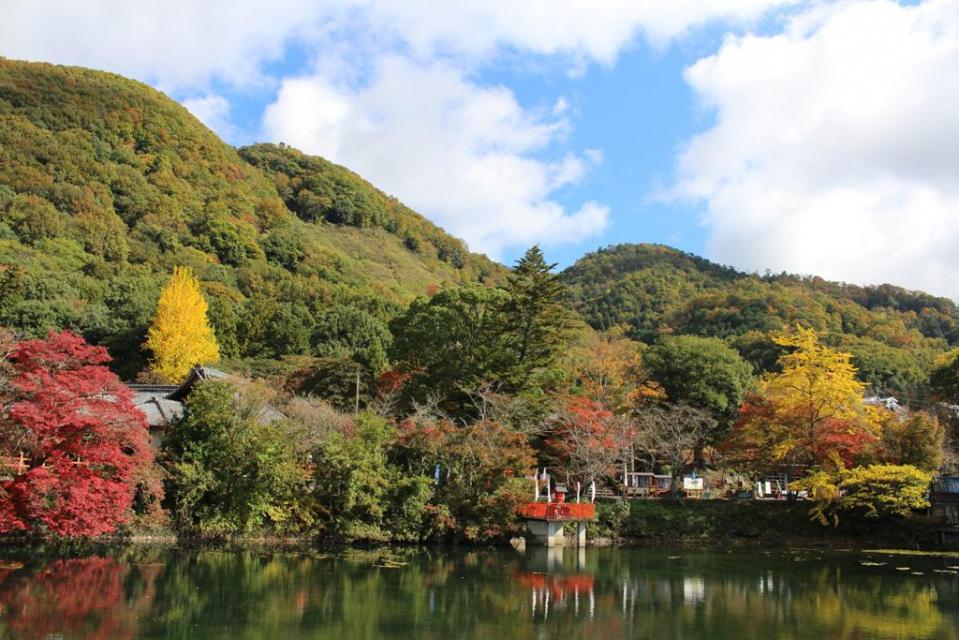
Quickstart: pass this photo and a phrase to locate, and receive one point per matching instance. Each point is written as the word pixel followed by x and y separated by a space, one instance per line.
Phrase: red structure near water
pixel 558 511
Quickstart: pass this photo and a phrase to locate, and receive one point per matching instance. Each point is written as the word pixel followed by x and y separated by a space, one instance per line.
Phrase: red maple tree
pixel 587 438
pixel 86 443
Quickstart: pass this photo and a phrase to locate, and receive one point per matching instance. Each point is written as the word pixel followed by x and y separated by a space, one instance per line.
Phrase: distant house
pixel 640 484
pixel 890 403
pixel 163 404
pixel 944 498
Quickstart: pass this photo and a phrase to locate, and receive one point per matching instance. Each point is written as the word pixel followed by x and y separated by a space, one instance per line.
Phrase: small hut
pixel 944 498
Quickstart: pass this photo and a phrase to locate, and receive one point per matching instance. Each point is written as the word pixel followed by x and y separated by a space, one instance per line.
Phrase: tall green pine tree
pixel 538 321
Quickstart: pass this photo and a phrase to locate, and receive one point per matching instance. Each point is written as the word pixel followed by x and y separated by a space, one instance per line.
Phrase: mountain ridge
pixel 106 183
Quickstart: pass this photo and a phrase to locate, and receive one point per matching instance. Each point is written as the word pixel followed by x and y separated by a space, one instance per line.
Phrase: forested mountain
pixel 106 184
pixel 653 290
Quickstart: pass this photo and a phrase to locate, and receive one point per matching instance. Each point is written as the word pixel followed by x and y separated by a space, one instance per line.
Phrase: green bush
pixel 228 472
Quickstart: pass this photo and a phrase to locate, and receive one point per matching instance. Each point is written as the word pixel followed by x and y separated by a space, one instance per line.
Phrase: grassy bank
pixel 767 523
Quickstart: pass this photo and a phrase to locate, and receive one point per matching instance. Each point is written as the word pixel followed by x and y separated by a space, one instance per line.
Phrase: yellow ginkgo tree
pixel 181 336
pixel 811 414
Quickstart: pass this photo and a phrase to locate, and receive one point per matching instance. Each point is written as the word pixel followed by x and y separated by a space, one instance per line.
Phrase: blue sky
pixel 799 135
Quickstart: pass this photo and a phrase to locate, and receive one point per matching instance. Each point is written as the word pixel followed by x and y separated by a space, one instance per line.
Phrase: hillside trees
pixel 945 377
pixel 917 440
pixel 181 337
pixel 86 444
pixel 608 367
pixel 653 291
pixel 452 341
pixel 466 338
pixel 105 182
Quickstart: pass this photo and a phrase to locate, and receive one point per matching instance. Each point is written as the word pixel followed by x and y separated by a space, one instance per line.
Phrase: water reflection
pixel 169 593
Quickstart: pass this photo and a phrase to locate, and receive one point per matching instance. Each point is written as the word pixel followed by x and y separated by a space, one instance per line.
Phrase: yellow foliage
pixel 817 383
pixel 812 413
pixel 180 336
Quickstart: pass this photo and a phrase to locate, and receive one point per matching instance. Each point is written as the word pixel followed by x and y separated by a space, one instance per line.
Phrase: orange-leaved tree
pixel 181 336
pixel 608 368
pixel 811 414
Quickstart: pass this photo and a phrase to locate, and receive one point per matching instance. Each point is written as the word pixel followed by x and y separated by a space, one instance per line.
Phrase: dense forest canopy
pixel 107 184
pixel 400 387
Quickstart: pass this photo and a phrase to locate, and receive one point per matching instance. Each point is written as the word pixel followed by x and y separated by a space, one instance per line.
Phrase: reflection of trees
pixel 705 595
pixel 87 598
pixel 476 594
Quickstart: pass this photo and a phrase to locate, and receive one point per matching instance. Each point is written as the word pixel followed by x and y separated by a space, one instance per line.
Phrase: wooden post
pixel 20 465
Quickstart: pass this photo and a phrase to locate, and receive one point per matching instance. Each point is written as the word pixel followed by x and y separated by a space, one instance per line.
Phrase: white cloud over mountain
pixel 188 43
pixel 833 148
pixel 400 103
pixel 464 153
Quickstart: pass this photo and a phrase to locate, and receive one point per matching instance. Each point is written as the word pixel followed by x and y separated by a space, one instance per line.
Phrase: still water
pixel 499 594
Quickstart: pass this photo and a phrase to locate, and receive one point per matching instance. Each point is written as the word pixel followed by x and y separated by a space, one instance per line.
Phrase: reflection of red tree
pixel 558 586
pixel 76 598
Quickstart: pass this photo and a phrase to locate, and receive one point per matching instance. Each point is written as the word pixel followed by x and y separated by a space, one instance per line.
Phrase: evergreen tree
pixel 180 336
pixel 702 372
pixel 537 319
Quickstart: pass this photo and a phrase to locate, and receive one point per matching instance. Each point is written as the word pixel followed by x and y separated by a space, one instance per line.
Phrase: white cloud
pixel 188 43
pixel 213 110
pixel 392 93
pixel 832 150
pixel 169 43
pixel 466 155
pixel 597 30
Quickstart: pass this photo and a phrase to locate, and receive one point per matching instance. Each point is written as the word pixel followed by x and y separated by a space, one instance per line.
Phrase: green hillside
pixel 105 184
pixel 652 290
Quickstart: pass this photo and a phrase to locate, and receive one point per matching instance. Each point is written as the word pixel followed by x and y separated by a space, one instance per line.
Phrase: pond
pixel 148 592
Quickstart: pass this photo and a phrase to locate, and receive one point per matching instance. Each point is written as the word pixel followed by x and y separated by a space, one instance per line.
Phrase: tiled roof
pixel 945 484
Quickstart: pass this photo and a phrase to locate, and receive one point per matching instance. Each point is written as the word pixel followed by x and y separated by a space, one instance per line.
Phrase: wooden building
pixel 944 500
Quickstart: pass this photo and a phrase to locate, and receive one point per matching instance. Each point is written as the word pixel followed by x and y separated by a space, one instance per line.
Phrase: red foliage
pixel 844 438
pixel 587 436
pixel 88 444
pixel 391 381
pixel 764 437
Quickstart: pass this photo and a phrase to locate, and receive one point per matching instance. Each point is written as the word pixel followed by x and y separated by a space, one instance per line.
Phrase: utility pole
pixel 356 406
pixel 356 400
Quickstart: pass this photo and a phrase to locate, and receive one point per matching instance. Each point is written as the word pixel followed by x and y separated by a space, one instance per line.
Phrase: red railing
pixel 558 510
